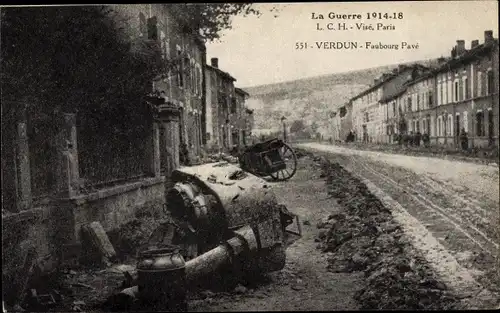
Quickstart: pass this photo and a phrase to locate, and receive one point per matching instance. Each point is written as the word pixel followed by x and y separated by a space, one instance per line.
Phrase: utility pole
pixel 283 119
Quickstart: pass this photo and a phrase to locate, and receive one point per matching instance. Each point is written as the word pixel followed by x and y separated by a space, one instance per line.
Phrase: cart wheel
pixel 288 156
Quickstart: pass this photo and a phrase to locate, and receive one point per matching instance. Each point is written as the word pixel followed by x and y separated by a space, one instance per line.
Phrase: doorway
pixel 490 127
pixel 457 128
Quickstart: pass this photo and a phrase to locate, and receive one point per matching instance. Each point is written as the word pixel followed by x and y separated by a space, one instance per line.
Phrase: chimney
pixel 214 62
pixel 488 36
pixel 460 47
pixel 474 44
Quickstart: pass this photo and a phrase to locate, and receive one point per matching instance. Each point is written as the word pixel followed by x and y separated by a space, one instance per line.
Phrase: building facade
pixel 220 100
pixel 239 117
pixel 459 95
pixel 370 106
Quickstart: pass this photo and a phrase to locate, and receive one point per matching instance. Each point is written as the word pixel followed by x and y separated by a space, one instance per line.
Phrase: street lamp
pixel 283 119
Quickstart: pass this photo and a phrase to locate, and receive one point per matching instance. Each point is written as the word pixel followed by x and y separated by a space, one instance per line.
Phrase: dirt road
pixel 456 202
pixel 304 283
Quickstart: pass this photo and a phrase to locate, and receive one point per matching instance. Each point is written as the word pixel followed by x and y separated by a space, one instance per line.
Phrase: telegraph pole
pixel 283 119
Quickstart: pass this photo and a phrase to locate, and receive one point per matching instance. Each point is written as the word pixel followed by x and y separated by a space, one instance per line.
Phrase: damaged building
pixel 59 173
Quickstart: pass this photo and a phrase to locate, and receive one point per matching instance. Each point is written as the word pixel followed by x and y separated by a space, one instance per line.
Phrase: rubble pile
pixel 134 235
pixel 364 237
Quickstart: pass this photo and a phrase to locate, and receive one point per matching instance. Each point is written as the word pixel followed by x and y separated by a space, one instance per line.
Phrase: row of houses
pixel 459 94
pixel 55 182
pixel 213 112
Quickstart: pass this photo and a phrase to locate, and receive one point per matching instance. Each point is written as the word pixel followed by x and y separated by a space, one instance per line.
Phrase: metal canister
pixel 162 279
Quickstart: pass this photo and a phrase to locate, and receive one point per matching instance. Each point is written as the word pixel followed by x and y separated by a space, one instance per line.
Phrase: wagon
pixel 270 158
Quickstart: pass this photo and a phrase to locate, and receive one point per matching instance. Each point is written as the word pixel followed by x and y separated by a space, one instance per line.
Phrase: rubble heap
pixel 364 237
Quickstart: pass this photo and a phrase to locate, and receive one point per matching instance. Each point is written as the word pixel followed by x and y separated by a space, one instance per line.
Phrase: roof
pixel 389 76
pixel 467 57
pixel 393 96
pixel 241 91
pixel 220 72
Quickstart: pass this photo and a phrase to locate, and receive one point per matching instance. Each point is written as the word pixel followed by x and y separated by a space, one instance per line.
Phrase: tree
pixel 210 19
pixel 72 59
pixel 297 126
pixel 314 127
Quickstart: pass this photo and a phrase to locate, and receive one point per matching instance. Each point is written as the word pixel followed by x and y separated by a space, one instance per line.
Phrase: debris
pixel 82 285
pixel 240 289
pixel 70 254
pixel 297 287
pixel 38 302
pixel 99 241
pixel 124 300
pixel 24 261
pixel 207 294
pixel 364 237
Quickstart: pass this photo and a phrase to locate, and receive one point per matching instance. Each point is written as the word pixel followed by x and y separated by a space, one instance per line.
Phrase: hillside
pixel 310 99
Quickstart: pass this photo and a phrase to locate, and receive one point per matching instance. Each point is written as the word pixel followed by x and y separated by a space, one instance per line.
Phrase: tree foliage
pixel 71 59
pixel 297 126
pixel 211 19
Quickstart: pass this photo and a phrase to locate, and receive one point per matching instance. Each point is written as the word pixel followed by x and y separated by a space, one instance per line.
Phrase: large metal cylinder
pixel 162 279
pixel 239 198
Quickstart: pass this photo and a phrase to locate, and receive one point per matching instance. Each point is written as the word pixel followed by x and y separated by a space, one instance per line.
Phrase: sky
pixel 262 50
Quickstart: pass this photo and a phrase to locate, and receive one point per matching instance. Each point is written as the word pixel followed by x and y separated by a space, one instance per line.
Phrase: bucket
pixel 162 279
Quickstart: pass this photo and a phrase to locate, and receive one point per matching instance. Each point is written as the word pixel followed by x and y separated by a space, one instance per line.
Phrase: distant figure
pixel 350 137
pixel 398 138
pixel 418 137
pixel 426 139
pixel 184 154
pixel 464 141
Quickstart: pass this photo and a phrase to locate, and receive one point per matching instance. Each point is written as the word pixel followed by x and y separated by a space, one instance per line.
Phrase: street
pixel 304 283
pixel 455 202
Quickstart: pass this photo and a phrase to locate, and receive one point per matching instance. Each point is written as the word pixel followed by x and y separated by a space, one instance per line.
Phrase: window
pixel 418 102
pixel 233 105
pixel 461 90
pixel 152 28
pixel 439 126
pixel 491 125
pixel 187 71
pixel 466 88
pixel 431 104
pixel 440 93
pixel 479 124
pixel 455 91
pixel 479 84
pixel 432 126
pixel 163 45
pixel 449 130
pixel 443 128
pixel 409 104
pixel 142 25
pixel 200 81
pixel 490 82
pixel 180 68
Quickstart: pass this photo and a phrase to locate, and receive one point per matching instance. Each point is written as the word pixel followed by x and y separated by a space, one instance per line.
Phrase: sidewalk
pixel 489 157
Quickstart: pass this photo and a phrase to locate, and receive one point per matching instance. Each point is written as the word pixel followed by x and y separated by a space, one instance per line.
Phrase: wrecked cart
pixel 270 158
pixel 222 218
